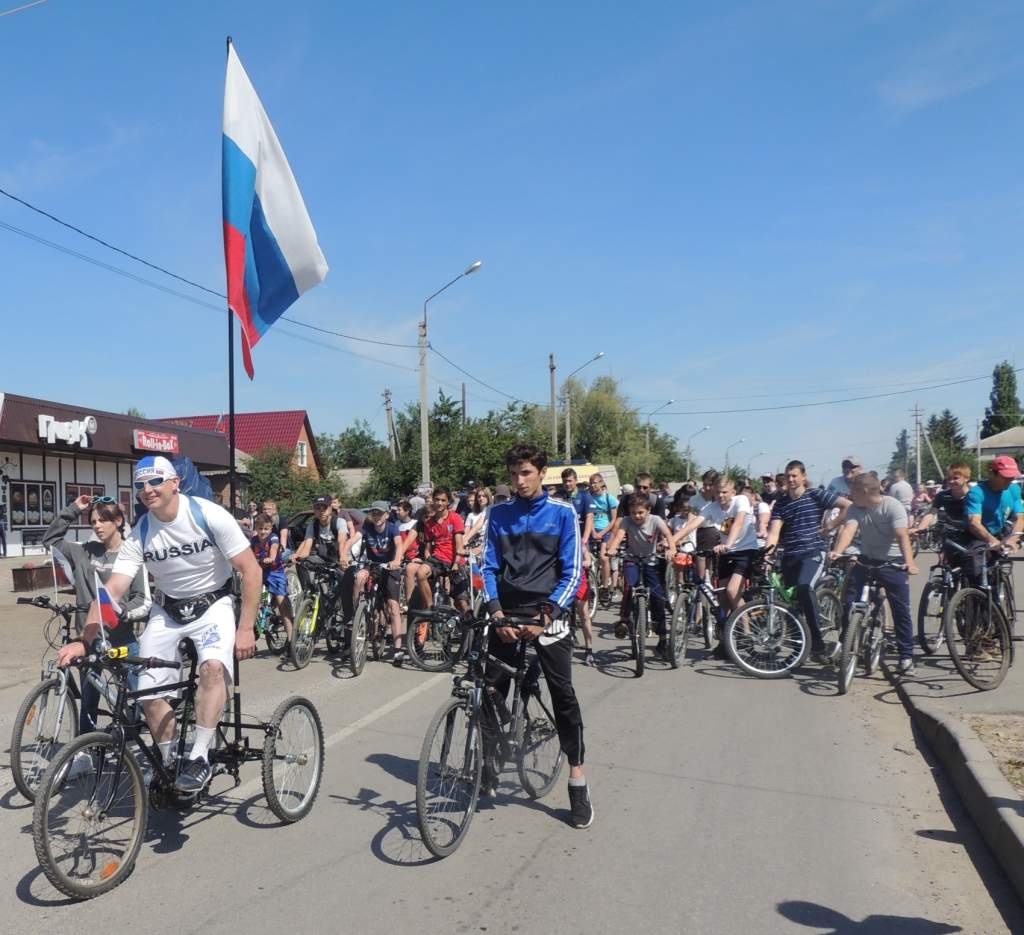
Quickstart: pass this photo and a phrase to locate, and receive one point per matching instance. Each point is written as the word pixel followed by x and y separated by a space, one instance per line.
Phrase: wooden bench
pixel 32 538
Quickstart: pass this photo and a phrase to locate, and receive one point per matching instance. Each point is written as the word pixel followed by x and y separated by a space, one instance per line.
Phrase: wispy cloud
pixel 45 165
pixel 961 59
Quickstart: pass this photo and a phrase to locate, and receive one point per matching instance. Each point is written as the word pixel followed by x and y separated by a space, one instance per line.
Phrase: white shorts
pixel 213 634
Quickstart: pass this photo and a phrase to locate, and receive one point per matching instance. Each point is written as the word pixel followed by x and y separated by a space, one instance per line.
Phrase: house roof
pixel 1011 438
pixel 255 431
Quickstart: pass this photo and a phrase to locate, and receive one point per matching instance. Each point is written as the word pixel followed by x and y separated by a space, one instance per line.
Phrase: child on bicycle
pixel 266 545
pixel 884 537
pixel 383 545
pixel 645 535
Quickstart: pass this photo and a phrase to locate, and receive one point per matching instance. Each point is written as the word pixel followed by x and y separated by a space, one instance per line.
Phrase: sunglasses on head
pixel 152 482
pixel 96 500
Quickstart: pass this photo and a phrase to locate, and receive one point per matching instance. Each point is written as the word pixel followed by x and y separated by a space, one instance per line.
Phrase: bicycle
pixel 48 717
pixel 768 636
pixel 977 630
pixel 943 582
pixel 639 611
pixel 864 634
pixel 475 728
pixel 269 623
pixel 437 638
pixel 322 610
pixel 372 615
pixel 88 828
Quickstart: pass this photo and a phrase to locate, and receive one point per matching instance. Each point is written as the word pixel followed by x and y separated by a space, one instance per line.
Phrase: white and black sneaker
pixel 907 669
pixel 581 809
pixel 194 776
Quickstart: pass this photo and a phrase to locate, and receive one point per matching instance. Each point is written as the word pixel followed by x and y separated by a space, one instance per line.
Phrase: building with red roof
pixel 256 431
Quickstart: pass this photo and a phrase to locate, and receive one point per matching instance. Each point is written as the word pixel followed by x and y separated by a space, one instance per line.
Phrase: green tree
pixel 948 440
pixel 901 455
pixel 357 446
pixel 273 477
pixel 1003 411
pixel 135 413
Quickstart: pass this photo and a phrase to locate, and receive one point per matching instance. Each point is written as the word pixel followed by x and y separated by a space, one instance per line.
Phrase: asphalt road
pixel 723 805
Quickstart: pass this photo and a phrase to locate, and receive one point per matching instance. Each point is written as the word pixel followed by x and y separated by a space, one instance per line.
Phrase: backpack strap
pixel 199 518
pixel 144 529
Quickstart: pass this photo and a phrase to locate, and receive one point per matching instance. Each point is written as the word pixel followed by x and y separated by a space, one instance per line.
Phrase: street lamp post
pixel 568 404
pixel 689 452
pixel 727 450
pixel 753 458
pixel 424 346
pixel 647 428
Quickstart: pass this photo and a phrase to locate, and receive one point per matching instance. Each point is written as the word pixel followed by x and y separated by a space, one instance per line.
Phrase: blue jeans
pixel 897 591
pixel 91 695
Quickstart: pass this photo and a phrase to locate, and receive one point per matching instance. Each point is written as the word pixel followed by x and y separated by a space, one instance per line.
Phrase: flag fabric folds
pixel 110 611
pixel 270 247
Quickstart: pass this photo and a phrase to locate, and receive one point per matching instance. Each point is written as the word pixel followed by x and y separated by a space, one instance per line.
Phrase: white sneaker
pixel 80 765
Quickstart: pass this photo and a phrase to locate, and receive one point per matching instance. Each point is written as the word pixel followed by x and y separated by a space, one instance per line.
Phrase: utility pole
pixel 554 409
pixel 391 424
pixel 568 426
pixel 424 425
pixel 463 405
pixel 916 413
pixel 979 449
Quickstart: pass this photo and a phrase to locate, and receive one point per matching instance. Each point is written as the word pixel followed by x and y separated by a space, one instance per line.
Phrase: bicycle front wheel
pixel 592 586
pixel 978 638
pixel 275 634
pixel 90 816
pixel 305 628
pixel 46 720
pixel 850 649
pixel 676 643
pixel 448 778
pixel 930 632
pixel 435 644
pixel 540 755
pixel 357 642
pixel 766 640
pixel 639 636
pixel 830 614
pixel 293 759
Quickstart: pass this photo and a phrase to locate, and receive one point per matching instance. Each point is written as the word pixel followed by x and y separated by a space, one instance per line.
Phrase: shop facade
pixel 51 453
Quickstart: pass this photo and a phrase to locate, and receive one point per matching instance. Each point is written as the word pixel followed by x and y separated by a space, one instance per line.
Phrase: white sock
pixel 577 782
pixel 204 737
pixel 167 750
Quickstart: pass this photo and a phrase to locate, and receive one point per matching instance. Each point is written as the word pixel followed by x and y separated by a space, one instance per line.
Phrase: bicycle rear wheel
pixel 850 649
pixel 540 755
pixel 978 641
pixel 303 639
pixel 592 580
pixel 275 634
pixel 930 632
pixel 435 644
pixel 766 640
pixel 85 847
pixel 830 614
pixel 46 720
pixel 448 778
pixel 293 759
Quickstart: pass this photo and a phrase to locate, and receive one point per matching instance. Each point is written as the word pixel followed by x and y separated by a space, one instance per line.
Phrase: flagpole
pixel 236 700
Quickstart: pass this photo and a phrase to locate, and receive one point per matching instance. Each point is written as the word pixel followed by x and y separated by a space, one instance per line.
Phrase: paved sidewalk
pixel 942 705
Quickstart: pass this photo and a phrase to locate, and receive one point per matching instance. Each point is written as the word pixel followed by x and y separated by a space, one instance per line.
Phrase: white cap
pixel 154 466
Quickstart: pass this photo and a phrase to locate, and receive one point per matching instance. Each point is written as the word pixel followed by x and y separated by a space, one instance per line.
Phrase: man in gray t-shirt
pixel 882 524
pixel 900 489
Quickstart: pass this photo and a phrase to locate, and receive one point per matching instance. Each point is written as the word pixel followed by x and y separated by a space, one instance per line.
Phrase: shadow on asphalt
pixel 832 922
pixel 29 887
pixel 12 801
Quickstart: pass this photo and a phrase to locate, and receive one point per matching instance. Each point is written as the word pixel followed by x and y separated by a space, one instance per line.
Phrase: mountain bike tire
pixel 358 639
pixel 275 633
pixel 850 650
pixel 539 756
pixel 979 643
pixel 448 777
pixel 766 641
pixel 45 722
pixel 639 636
pixel 931 635
pixel 676 643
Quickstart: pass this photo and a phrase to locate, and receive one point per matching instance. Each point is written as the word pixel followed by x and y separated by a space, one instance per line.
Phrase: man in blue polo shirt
pixel 586 510
pixel 989 506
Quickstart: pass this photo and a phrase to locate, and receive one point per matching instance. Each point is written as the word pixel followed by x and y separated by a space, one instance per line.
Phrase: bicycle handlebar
pixel 114 657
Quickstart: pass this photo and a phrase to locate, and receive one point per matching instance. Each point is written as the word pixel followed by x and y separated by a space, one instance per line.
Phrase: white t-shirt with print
pixel 179 555
pixel 721 519
pixel 689 543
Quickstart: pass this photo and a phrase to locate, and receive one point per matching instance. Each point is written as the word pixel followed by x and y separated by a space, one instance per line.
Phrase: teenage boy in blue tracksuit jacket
pixel 532 568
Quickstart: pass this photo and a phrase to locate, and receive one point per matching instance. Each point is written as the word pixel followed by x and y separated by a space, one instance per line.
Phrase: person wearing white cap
pixel 840 485
pixel 189 546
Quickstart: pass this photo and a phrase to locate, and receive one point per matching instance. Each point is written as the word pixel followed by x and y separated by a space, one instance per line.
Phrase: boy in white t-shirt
pixel 189 546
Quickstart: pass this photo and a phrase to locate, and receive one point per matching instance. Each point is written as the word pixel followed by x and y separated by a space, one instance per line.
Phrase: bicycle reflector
pixel 478 582
pixel 117 652
pixel 682 560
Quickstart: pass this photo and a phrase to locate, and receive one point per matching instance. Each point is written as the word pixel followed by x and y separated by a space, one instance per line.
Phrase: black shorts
pixel 388 579
pixel 458 578
pixel 735 563
pixel 707 538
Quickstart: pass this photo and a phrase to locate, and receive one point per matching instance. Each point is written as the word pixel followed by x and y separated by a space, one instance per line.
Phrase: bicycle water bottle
pixel 788 594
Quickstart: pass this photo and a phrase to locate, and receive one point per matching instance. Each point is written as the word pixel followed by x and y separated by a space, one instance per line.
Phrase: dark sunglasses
pixel 152 482
pixel 96 500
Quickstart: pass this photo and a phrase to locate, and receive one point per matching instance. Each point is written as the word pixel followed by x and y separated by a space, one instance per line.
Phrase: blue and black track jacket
pixel 533 554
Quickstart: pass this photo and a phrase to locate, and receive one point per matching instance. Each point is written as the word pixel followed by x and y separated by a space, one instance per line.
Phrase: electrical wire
pixel 493 389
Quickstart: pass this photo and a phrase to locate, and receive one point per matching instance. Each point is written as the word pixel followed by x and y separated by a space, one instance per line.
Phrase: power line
pixel 159 269
pixel 493 389
pixel 829 402
pixel 24 6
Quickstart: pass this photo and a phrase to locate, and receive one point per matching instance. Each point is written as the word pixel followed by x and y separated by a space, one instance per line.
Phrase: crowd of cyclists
pixel 520 550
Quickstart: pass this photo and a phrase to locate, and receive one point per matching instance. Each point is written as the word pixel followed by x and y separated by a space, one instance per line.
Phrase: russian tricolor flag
pixel 270 247
pixel 110 611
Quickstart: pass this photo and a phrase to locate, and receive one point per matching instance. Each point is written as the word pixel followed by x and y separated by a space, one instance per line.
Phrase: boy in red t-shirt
pixel 443 551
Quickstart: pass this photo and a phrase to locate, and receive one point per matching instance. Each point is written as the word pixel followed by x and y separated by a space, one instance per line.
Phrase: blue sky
pixel 742 205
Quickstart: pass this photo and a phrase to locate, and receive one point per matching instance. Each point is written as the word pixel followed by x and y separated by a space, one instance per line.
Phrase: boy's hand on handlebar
pixel 529 633
pixel 70 653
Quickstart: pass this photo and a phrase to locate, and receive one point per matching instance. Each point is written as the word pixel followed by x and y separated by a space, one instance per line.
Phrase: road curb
pixel 991 801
